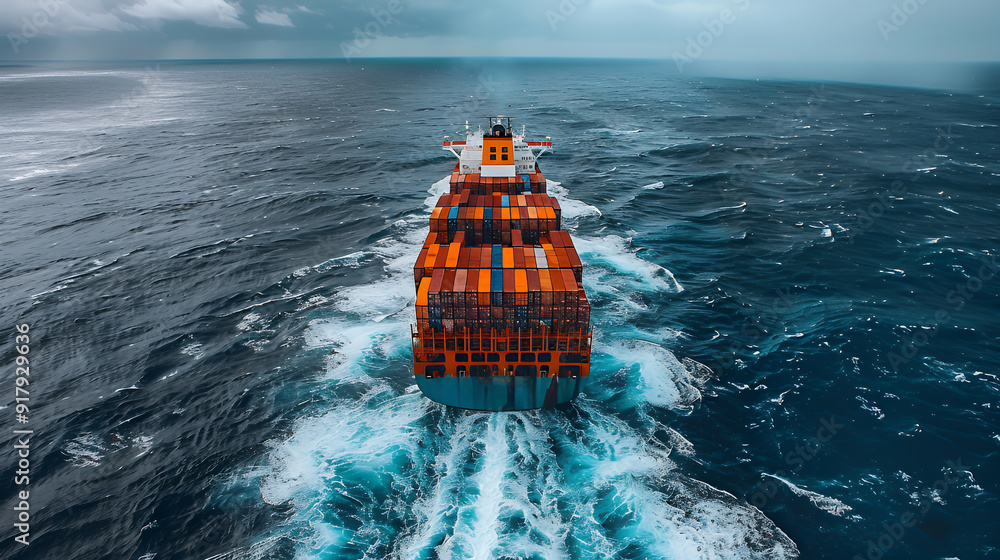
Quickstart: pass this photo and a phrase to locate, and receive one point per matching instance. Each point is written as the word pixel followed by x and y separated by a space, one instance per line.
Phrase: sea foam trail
pixel 386 473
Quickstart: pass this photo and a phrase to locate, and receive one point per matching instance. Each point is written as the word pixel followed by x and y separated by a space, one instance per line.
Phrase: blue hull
pixel 501 393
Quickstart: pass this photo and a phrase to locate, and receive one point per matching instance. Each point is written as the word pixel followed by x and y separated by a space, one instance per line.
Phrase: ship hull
pixel 498 394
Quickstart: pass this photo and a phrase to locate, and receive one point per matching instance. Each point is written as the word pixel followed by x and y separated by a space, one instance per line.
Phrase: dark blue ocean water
pixel 794 285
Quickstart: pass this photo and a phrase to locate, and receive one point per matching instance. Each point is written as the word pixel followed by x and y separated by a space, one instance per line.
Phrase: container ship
pixel 503 322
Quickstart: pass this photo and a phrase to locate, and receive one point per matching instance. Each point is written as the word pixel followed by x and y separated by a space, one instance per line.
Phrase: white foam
pixel 352 433
pixel 658 376
pixel 825 503
pixel 86 450
pixel 439 188
pixel 456 480
pixel 30 174
pixel 353 260
pixel 433 509
pixel 250 321
pixel 572 209
pixel 194 350
pixel 313 301
pixel 143 444
pixel 628 270
pixel 483 537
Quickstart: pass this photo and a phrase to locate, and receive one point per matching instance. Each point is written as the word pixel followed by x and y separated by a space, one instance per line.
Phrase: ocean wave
pixel 471 485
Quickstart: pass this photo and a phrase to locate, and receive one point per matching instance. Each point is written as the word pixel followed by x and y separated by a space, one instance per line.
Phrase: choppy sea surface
pixel 795 291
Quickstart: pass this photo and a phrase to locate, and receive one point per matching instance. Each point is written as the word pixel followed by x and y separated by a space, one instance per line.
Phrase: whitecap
pixel 250 321
pixel 825 503
pixel 86 450
pixel 194 350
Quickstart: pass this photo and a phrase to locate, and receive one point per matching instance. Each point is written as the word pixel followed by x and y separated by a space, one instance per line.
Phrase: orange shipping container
pixel 543 278
pixel 452 260
pixel 557 282
pixel 432 253
pixel 521 280
pixel 484 287
pixel 425 285
pixel 529 257
pixel 569 283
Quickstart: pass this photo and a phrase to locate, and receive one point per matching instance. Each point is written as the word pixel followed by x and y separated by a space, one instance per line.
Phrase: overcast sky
pixel 685 30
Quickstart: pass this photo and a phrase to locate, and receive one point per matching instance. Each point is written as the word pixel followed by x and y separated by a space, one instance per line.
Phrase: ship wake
pixel 376 470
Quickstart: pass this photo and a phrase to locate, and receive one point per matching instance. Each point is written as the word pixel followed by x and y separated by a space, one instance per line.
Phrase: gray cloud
pixel 757 30
pixel 270 17
pixel 210 13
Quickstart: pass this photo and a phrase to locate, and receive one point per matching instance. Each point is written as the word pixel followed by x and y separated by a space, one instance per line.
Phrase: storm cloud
pixel 686 31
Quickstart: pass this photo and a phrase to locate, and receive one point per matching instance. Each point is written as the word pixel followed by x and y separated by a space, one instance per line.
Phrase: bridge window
pixel 510 357
pixel 544 357
pixel 504 157
pixel 571 358
pixel 461 357
pixel 493 157
pixel 478 357
pixel 526 371
pixel 493 357
pixel 528 357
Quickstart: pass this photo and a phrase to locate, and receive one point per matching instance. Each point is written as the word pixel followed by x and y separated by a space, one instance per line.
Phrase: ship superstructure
pixel 503 322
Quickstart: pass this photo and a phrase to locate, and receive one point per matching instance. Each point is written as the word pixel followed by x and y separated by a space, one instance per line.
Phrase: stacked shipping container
pixel 497 261
pixel 477 185
pixel 488 219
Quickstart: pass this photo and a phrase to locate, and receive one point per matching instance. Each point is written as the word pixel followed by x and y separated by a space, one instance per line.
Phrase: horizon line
pixel 10 62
